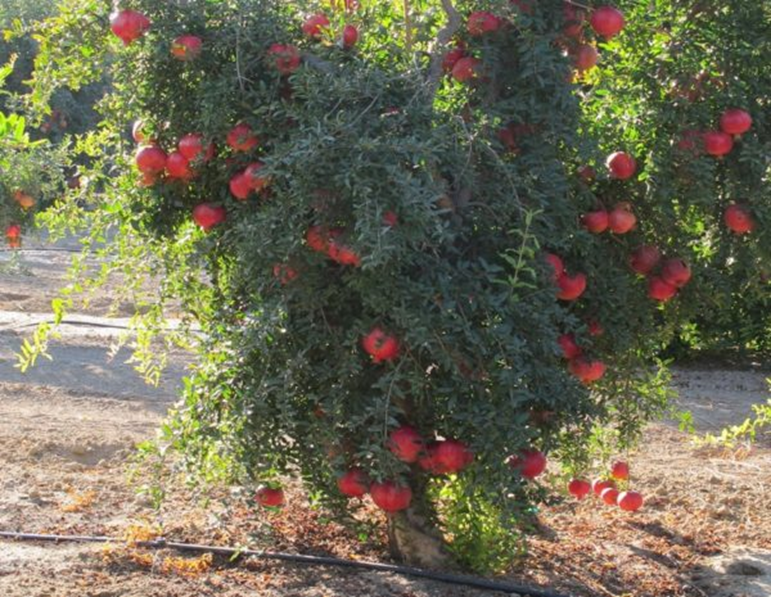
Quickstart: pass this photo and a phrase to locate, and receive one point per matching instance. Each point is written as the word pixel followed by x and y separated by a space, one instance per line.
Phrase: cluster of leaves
pixel 353 135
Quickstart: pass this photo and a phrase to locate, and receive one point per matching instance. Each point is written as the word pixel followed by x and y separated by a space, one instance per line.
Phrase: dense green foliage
pixel 459 278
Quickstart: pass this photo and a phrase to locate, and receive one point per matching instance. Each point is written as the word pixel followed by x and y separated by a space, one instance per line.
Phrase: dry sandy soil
pixel 69 428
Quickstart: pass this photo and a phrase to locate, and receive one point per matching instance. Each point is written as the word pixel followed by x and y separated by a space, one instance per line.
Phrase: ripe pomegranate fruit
pixel 571 287
pixel 314 26
pixel 620 470
pixel 405 443
pixel 621 165
pixel 151 159
pixel 717 143
pixel 451 456
pixel 631 501
pixel 659 290
pixel 481 22
pixel 241 138
pixel 284 273
pixel 607 21
pixel 191 146
pixel 452 57
pixel 735 122
pixel 599 485
pixel 587 371
pixel 208 215
pixel 595 328
pixel 129 25
pixel 557 265
pixel 579 488
pixel 621 220
pixel 609 495
pixel 342 254
pixel 285 58
pixel 380 345
pixel 354 483
pixel 691 141
pixel 529 463
pixel 596 221
pixel 240 186
pixel 186 47
pixel 675 272
pixel 13 231
pixel 178 166
pixel 350 36
pixel 390 496
pixel 570 349
pixel 465 69
pixel 317 238
pixel 738 219
pixel 644 258
pixel 24 200
pixel 574 19
pixel 585 57
pixel 269 497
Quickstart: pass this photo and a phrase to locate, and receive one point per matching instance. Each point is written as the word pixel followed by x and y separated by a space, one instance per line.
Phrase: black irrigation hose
pixel 454 579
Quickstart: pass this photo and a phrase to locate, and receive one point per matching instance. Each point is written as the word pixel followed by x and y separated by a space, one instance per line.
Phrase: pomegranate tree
pixel 429 258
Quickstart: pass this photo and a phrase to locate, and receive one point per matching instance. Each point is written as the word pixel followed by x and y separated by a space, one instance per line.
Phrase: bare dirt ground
pixel 68 436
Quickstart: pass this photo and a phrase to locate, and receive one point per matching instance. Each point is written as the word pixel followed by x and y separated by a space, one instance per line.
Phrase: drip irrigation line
pixel 453 579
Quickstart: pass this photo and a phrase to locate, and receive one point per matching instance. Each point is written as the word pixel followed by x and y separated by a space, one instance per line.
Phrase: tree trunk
pixel 413 537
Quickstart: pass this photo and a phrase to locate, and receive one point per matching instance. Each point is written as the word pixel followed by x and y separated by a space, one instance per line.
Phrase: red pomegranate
pixel 186 47
pixel 659 290
pixel 151 159
pixel 129 25
pixel 596 221
pixel 390 496
pixel 529 462
pixel 354 483
pixel 621 220
pixel 240 186
pixel 579 488
pixel 644 258
pixel 735 122
pixel 621 165
pixel 620 470
pixel 631 501
pixel 609 495
pixel 208 215
pixel 738 219
pixel 380 345
pixel 465 69
pixel 691 141
pixel 481 22
pixel 555 261
pixel 350 36
pixel 587 371
pixel 571 287
pixel 599 485
pixel 451 57
pixel 254 176
pixel 342 254
pixel 390 219
pixel 405 443
pixel 178 166
pixel 717 143
pixel 314 25
pixel 451 456
pixel 269 497
pixel 595 328
pixel 241 138
pixel 285 58
pixel 675 272
pixel 13 231
pixel 191 146
pixel 585 57
pixel 607 21
pixel 570 349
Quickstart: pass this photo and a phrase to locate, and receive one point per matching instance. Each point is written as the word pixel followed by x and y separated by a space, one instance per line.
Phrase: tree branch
pixel 442 39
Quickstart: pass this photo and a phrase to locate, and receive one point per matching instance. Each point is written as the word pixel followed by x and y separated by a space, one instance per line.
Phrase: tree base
pixel 416 543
